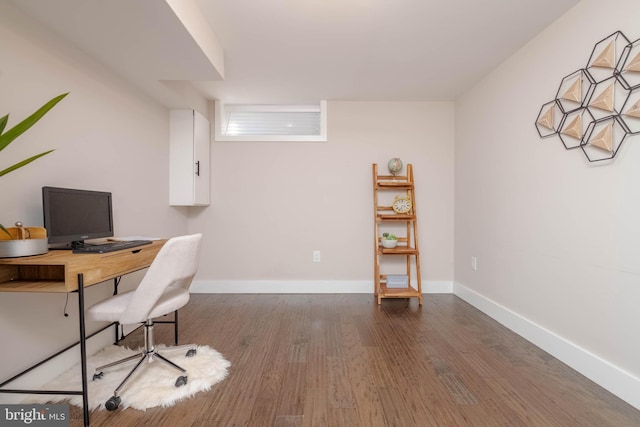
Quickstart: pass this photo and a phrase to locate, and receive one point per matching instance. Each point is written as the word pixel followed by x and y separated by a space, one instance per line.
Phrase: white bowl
pixel 388 243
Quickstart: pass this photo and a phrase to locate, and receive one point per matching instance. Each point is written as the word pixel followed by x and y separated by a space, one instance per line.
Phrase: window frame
pixel 221 122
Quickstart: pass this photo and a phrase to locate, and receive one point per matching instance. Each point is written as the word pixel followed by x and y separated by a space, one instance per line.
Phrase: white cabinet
pixel 189 158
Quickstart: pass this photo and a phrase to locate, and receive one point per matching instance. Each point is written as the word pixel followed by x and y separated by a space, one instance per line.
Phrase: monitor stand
pixel 68 246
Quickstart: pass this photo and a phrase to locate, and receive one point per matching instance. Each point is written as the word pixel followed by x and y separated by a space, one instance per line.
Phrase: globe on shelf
pixel 394 165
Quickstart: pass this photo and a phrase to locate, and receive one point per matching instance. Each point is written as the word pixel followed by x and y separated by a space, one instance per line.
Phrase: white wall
pixel 107 136
pixel 273 204
pixel 557 238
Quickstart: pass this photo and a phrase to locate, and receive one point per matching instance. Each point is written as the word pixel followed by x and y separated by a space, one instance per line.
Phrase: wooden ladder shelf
pixel 386 219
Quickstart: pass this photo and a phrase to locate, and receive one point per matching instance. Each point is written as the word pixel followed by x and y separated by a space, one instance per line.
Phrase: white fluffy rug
pixel 152 385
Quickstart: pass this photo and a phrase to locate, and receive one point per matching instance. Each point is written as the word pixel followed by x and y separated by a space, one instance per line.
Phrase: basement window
pixel 247 122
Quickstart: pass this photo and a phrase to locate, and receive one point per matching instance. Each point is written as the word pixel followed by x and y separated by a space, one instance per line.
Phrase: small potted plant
pixel 389 240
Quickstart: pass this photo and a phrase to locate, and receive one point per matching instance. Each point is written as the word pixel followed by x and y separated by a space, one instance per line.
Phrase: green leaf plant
pixel 9 136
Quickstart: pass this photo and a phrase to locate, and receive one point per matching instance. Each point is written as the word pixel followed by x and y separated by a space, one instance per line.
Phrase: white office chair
pixel 163 289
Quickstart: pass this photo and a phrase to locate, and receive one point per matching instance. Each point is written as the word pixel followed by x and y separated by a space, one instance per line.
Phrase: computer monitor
pixel 72 216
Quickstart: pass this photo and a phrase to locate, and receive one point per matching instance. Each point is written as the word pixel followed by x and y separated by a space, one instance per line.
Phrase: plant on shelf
pixel 389 240
pixel 7 137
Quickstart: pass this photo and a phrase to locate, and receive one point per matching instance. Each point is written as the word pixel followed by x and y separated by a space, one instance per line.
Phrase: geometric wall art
pixel 597 108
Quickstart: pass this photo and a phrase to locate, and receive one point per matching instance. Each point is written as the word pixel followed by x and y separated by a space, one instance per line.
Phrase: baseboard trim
pixel 617 381
pixel 303 287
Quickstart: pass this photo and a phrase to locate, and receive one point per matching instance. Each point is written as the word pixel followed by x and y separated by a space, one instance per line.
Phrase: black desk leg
pixel 175 331
pixel 116 282
pixel 83 349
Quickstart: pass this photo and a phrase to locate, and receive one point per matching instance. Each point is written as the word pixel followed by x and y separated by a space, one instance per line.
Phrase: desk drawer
pixel 97 268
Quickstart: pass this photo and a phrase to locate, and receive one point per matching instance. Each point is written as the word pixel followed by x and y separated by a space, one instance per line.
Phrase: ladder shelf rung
pixel 396 217
pixel 398 250
pixel 398 292
pixel 394 184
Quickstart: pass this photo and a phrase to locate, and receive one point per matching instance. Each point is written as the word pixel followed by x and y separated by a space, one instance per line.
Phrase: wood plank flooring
pixel 342 360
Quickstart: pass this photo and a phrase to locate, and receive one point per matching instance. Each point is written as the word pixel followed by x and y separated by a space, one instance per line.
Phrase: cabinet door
pixel 201 156
pixel 189 159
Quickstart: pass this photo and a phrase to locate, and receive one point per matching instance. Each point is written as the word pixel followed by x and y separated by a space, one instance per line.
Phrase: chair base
pixel 150 354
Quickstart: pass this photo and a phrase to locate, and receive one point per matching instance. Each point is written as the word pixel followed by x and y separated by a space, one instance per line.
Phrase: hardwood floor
pixel 342 360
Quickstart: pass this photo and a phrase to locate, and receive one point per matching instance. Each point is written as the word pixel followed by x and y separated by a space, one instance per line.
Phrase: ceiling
pixel 299 51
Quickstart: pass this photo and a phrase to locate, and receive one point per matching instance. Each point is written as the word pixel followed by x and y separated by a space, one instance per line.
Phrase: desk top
pixel 57 270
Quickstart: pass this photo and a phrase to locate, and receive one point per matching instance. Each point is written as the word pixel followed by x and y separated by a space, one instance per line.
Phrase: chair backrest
pixel 175 265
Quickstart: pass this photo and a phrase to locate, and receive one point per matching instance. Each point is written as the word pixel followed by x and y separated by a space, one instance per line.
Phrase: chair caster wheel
pixel 191 352
pixel 113 403
pixel 181 381
pixel 98 375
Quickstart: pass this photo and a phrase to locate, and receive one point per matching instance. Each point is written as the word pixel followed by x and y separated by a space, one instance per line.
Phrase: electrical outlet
pixel 474 263
pixel 316 256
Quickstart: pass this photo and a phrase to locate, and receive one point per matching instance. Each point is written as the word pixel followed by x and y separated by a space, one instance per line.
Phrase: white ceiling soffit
pixel 145 41
pixel 189 13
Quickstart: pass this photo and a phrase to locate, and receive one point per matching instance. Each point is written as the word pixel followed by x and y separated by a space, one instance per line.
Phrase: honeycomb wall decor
pixel 597 108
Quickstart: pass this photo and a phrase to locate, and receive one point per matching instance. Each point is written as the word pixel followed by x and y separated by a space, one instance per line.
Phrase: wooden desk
pixel 62 271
